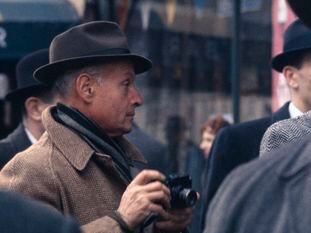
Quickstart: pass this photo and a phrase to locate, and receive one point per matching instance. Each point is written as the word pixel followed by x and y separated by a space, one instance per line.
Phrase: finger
pixel 181 215
pixel 159 197
pixel 158 209
pixel 156 186
pixel 172 226
pixel 180 218
pixel 146 176
pixel 184 211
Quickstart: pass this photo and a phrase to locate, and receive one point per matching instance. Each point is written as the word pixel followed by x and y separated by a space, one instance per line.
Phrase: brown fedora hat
pixel 88 43
pixel 302 9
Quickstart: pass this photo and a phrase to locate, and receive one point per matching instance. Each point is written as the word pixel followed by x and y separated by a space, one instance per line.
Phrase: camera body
pixel 182 194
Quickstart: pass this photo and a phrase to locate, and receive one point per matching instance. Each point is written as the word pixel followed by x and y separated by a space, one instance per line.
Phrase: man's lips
pixel 130 114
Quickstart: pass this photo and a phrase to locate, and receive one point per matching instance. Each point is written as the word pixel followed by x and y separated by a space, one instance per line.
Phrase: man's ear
pixel 33 109
pixel 85 87
pixel 292 76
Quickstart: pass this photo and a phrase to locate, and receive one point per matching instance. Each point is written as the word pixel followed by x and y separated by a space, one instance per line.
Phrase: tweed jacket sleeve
pixel 284 132
pixel 15 177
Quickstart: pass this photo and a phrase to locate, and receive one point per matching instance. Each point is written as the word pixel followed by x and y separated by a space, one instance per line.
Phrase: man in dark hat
pixel 240 143
pixel 297 48
pixel 33 98
pixel 83 165
pixel 272 194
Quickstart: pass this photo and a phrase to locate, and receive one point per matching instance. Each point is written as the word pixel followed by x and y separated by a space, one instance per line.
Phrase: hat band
pixel 105 52
pixel 303 42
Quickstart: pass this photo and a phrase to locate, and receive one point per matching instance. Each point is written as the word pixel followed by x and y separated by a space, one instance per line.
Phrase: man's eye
pixel 126 83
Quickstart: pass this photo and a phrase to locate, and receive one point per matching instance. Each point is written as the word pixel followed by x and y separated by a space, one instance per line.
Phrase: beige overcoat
pixel 63 171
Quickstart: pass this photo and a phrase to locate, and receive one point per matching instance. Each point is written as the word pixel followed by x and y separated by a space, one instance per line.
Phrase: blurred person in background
pixel 184 157
pixel 243 202
pixel 298 45
pixel 209 131
pixel 240 143
pixel 32 98
pixel 153 150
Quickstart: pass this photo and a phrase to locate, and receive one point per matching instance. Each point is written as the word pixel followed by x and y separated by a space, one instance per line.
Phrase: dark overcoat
pixel 21 215
pixel 233 146
pixel 15 142
pixel 270 194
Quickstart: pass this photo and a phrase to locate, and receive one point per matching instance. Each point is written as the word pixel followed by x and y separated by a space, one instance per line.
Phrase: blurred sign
pixel 225 7
pixel 26 26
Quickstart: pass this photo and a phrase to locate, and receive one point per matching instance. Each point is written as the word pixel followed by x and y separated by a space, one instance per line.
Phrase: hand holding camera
pixel 150 195
pixel 146 194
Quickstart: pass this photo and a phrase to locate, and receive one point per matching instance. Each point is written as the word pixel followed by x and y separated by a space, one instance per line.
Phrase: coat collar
pixel 75 149
pixel 281 114
pixel 295 157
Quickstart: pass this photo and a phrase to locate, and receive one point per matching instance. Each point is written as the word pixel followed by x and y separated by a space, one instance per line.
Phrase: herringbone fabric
pixel 284 132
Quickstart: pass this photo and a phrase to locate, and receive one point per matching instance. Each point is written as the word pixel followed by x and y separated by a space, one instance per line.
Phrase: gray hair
pixel 64 83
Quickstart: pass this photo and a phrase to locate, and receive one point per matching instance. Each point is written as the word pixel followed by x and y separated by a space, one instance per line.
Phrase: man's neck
pixel 32 129
pixel 30 136
pixel 295 110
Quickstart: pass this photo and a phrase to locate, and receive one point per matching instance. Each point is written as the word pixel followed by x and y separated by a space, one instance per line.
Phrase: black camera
pixel 182 194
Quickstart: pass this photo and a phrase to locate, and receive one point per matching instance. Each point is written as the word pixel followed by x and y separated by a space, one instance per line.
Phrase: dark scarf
pixel 94 136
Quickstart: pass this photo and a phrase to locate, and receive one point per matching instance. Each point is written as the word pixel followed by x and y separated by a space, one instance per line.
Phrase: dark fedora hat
pixel 26 84
pixel 297 38
pixel 88 43
pixel 302 9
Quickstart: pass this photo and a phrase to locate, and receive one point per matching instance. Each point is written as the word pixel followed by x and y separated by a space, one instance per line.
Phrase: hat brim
pixel 283 59
pixel 47 74
pixel 23 93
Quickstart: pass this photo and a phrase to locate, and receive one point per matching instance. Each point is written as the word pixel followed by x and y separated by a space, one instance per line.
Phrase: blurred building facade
pixel 189 42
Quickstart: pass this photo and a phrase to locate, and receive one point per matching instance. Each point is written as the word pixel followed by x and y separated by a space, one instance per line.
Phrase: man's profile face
pixel 304 82
pixel 116 98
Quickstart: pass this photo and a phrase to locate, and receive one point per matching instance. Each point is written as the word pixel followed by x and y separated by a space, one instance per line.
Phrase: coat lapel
pixel 79 153
pixel 281 114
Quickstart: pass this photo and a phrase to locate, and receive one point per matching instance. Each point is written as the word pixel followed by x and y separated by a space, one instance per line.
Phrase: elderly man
pixel 33 98
pixel 82 165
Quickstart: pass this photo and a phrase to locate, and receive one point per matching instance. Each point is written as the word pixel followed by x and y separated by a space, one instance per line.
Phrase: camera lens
pixel 189 197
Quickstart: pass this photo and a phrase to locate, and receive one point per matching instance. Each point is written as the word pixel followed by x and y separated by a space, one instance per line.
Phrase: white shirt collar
pixel 31 138
pixel 294 111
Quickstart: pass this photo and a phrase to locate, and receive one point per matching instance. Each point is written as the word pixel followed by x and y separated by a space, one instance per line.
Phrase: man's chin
pixel 127 130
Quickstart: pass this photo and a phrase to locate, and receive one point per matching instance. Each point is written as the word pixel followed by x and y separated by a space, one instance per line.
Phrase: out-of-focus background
pixel 210 56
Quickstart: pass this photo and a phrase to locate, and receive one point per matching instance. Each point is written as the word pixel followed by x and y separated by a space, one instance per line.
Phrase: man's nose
pixel 137 99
